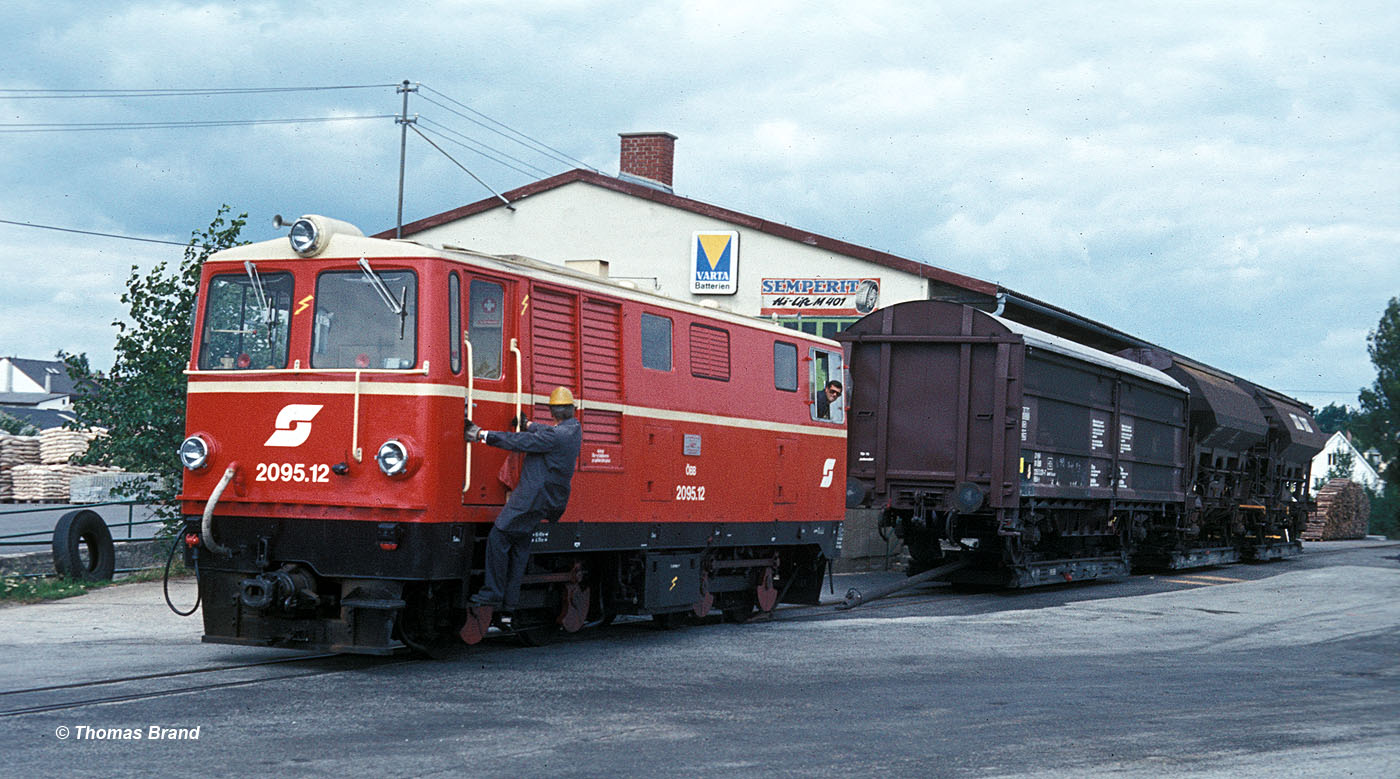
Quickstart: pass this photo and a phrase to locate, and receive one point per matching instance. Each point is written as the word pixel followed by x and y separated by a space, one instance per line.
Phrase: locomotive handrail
pixel 519 359
pixel 355 425
pixel 471 378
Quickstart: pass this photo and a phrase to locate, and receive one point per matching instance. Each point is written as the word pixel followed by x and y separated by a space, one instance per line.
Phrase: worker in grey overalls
pixel 551 451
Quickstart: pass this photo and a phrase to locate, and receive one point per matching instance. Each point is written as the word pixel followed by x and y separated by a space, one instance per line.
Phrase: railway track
pixel 97 692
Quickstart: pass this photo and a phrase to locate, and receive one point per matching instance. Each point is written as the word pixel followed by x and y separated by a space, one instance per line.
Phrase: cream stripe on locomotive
pixel 425 390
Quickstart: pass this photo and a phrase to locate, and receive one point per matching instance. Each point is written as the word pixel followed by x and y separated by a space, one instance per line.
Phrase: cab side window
pixel 828 387
pixel 785 366
pixel 656 342
pixel 486 327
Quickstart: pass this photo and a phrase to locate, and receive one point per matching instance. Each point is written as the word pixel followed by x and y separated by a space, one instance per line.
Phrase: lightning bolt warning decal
pixel 303 303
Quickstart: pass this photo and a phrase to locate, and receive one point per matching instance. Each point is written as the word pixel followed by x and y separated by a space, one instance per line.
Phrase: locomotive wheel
pixel 766 593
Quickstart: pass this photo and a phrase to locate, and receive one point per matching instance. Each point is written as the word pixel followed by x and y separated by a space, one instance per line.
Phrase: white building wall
pixel 1362 471
pixel 651 243
pixel 12 379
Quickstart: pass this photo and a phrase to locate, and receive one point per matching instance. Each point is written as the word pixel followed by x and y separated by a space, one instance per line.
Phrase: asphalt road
pixel 1282 669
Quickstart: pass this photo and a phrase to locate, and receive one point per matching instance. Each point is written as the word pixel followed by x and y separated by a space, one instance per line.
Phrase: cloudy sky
pixel 1220 178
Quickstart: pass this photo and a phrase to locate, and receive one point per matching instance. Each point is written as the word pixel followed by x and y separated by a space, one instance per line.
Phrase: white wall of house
pixel 12 379
pixel 1362 471
pixel 650 244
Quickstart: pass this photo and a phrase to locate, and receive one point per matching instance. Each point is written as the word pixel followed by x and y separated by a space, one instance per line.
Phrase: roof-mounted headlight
pixel 194 452
pixel 312 233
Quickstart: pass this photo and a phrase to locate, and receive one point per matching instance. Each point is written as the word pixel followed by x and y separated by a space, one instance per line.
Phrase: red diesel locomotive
pixel 332 504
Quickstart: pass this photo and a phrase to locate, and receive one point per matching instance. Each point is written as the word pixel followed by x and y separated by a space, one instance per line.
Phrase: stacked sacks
pixel 1343 511
pixel 59 445
pixel 48 483
pixel 15 450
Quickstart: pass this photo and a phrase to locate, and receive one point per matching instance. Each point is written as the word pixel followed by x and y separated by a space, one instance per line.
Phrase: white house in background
pixel 36 391
pixel 1362 471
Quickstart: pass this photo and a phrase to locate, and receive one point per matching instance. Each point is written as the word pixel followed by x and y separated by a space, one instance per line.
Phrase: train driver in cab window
pixel 827 389
pixel 829 395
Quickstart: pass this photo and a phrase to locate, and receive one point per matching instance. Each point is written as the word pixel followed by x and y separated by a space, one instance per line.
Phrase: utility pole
pixel 403 121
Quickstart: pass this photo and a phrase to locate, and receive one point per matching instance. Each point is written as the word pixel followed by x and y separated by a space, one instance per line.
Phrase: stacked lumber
pixel 59 445
pixel 49 483
pixel 1343 511
pixel 15 450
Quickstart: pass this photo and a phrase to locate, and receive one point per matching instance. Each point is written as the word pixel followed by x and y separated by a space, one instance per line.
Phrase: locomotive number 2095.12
pixel 689 492
pixel 293 472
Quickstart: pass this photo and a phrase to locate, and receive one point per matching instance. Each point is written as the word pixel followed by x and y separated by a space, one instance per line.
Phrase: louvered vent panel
pixel 602 350
pixel 709 352
pixel 554 357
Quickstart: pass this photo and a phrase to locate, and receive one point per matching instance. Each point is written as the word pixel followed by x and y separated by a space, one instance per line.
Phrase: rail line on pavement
pixel 343 664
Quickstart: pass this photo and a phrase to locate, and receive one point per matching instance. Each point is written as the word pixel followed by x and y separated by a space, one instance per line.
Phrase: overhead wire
pixel 443 131
pixel 561 156
pixel 54 127
pixel 107 94
pixel 91 232
pixel 498 195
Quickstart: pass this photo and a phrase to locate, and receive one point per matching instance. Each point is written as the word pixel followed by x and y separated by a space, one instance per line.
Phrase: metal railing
pixel 40 538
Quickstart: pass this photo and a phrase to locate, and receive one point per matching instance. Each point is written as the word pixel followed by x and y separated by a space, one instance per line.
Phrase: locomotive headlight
pixel 392 458
pixel 311 234
pixel 305 237
pixel 194 452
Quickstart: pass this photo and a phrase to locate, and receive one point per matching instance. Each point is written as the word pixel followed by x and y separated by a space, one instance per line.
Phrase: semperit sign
pixel 820 297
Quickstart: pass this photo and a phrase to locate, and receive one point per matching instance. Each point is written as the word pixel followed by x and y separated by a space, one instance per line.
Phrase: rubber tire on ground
pixel 75 530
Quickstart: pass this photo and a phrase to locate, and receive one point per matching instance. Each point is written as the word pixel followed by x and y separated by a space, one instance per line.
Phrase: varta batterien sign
pixel 714 263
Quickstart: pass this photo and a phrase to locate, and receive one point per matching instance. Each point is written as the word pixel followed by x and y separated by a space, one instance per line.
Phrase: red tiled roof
pixel 804 237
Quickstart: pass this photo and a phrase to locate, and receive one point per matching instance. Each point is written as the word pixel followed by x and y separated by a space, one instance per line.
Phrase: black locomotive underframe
pixel 350 586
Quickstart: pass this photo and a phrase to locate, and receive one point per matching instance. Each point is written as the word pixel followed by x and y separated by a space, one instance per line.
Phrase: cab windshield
pixel 361 325
pixel 240 332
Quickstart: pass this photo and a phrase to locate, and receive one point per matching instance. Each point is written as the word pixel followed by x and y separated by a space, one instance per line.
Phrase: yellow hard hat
pixel 561 396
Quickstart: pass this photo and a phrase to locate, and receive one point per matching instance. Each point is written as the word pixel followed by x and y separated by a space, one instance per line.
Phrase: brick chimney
pixel 649 156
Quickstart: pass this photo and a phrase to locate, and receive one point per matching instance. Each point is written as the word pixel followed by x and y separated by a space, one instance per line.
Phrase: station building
pixel 634 229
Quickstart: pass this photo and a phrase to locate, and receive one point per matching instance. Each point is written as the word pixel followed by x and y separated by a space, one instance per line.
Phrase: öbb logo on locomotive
pixel 293 425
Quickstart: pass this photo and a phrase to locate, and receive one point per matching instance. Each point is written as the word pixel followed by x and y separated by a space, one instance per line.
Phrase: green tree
pixel 1380 416
pixel 15 426
pixel 1334 417
pixel 141 402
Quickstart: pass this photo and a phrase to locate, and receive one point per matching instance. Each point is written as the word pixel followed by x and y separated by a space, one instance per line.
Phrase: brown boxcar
pixel 1029 458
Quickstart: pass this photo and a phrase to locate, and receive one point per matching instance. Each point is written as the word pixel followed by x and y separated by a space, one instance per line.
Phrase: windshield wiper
pixel 261 293
pixel 399 306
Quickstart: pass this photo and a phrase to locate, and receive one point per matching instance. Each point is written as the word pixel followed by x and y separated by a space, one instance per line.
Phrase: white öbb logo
pixel 293 425
pixel 828 472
